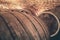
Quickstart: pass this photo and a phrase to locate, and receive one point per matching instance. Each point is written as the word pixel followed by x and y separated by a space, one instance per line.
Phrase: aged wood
pixel 16 25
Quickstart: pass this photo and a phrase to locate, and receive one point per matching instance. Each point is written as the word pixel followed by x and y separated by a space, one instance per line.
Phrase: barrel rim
pixel 56 19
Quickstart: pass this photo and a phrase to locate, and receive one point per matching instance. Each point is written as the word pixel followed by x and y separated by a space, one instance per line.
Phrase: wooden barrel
pixel 20 26
pixel 51 21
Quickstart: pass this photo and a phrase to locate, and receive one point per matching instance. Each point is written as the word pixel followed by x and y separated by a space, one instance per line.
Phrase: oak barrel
pixel 16 25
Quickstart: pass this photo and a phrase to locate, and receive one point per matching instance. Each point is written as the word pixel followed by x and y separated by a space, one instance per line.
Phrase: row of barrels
pixel 18 25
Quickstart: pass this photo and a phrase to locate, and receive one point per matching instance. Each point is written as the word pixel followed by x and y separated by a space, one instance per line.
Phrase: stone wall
pixel 40 5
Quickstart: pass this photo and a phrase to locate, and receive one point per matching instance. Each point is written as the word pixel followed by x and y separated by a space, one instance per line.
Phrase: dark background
pixel 57 37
